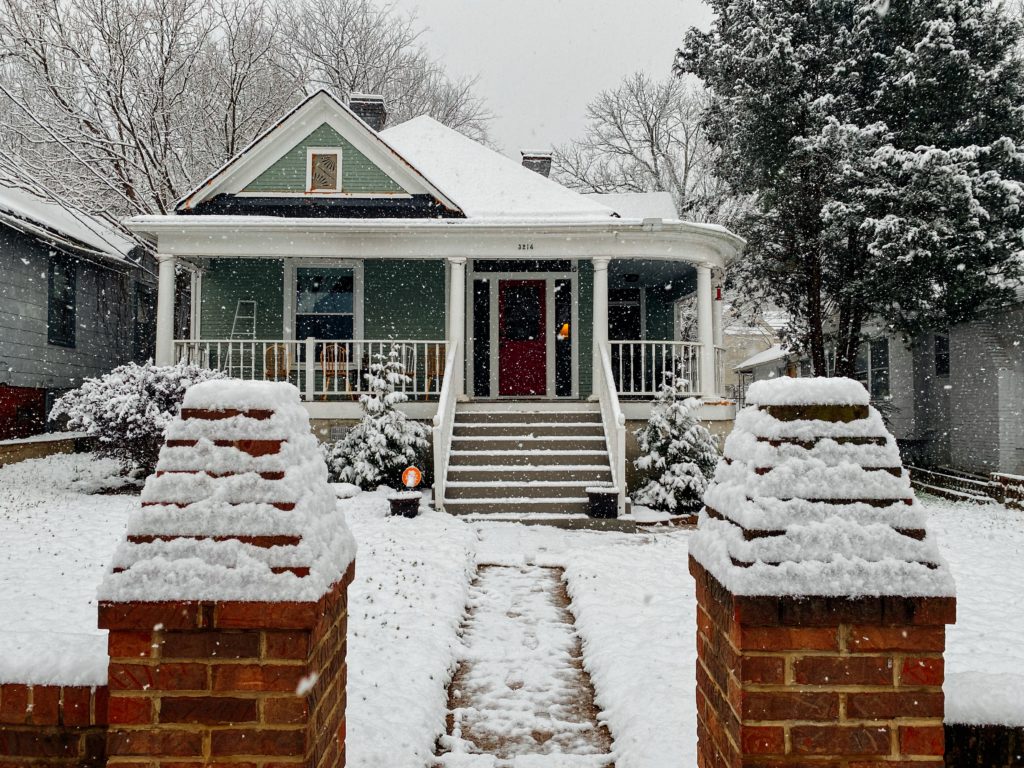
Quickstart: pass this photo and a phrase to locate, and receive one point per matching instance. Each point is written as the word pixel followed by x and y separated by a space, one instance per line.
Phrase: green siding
pixel 404 299
pixel 358 173
pixel 585 335
pixel 226 281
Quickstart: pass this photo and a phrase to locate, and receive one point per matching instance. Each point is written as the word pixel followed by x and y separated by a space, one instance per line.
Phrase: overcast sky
pixel 541 61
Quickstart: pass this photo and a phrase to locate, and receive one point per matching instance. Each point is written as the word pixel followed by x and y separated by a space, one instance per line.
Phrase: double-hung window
pixel 873 368
pixel 324 303
pixel 61 306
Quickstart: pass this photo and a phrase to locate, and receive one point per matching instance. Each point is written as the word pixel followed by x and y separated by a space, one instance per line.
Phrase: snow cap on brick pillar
pixel 822 599
pixel 537 161
pixel 226 603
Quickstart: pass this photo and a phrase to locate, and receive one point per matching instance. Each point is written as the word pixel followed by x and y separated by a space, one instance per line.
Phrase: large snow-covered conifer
pixel 677 451
pixel 882 142
pixel 385 441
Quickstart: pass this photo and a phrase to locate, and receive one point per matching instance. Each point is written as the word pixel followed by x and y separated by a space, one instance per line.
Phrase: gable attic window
pixel 323 170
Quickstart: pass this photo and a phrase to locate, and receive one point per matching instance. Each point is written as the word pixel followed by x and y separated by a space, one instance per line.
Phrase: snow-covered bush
pixel 384 442
pixel 128 409
pixel 676 453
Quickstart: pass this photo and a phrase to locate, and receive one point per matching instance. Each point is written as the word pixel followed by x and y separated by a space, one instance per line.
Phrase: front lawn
pixel 632 598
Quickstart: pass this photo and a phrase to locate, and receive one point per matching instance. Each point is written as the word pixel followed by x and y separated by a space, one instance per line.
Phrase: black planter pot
pixel 405 504
pixel 604 503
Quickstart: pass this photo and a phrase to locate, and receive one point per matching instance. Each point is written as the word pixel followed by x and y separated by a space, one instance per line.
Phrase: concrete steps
pixel 525 459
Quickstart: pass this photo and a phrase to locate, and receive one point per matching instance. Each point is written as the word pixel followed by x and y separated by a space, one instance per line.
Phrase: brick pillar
pixel 50 725
pixel 821 598
pixel 205 683
pixel 819 681
pixel 226 604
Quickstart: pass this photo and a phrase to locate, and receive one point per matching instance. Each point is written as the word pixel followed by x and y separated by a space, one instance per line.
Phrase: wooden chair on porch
pixel 334 365
pixel 277 362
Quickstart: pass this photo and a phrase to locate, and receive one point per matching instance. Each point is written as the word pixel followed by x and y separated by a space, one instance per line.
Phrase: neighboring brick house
pixel 77 299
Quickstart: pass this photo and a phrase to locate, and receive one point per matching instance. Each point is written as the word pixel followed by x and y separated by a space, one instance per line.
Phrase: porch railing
pixel 614 421
pixel 444 420
pixel 321 368
pixel 638 367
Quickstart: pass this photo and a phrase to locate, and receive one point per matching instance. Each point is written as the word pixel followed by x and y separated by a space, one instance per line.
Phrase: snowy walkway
pixel 521 696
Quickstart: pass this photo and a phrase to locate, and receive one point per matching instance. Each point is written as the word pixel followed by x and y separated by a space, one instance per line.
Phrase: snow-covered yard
pixel 631 595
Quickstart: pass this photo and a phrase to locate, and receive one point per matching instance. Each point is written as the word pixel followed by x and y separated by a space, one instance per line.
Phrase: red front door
pixel 522 344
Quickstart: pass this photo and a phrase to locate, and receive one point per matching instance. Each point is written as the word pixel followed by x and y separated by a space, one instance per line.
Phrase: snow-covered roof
pixel 770 355
pixel 484 183
pixel 638 205
pixel 60 223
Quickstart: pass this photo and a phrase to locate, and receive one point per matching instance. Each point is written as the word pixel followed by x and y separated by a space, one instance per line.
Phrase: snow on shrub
pixel 128 409
pixel 384 442
pixel 677 453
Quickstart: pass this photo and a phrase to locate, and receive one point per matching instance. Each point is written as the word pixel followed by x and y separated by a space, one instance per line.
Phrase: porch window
pixel 61 309
pixel 324 303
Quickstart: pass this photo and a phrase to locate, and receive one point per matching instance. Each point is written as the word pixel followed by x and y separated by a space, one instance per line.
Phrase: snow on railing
pixel 321 368
pixel 614 421
pixel 444 419
pixel 638 367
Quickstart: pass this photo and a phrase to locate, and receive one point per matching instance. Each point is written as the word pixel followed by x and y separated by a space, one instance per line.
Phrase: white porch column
pixel 457 308
pixel 705 332
pixel 600 309
pixel 716 316
pixel 165 310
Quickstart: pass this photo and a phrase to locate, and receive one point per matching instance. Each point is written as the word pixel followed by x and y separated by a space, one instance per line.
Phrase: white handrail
pixel 614 423
pixel 444 419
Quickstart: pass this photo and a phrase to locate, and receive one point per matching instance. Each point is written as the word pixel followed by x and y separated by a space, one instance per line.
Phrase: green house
pixel 332 239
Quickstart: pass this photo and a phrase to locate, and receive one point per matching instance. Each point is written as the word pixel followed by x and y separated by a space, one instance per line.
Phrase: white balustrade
pixel 614 421
pixel 444 419
pixel 638 368
pixel 324 369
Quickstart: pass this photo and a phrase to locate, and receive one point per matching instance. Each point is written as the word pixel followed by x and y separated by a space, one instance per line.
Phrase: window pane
pixel 324 290
pixel 563 338
pixel 522 312
pixel 323 326
pixel 879 369
pixel 61 302
pixel 942 355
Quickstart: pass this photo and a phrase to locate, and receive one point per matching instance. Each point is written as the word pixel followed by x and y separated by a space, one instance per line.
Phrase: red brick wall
pixel 46 725
pixel 203 684
pixel 819 681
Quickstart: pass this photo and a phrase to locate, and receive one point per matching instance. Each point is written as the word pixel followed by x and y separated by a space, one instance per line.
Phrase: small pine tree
pixel 678 453
pixel 384 442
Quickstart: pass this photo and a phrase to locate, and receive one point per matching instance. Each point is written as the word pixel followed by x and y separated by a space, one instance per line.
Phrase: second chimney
pixel 540 162
pixel 370 107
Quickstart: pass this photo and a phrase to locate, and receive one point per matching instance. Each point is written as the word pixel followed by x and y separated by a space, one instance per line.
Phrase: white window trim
pixel 290 265
pixel 310 151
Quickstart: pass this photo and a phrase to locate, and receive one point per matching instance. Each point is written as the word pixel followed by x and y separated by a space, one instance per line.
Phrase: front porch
pixel 527 330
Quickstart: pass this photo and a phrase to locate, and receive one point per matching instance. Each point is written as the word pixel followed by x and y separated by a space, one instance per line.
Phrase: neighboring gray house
pixel 962 405
pixel 76 299
pixel 953 400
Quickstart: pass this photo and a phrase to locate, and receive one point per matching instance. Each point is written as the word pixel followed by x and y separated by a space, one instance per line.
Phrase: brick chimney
pixel 540 162
pixel 370 107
